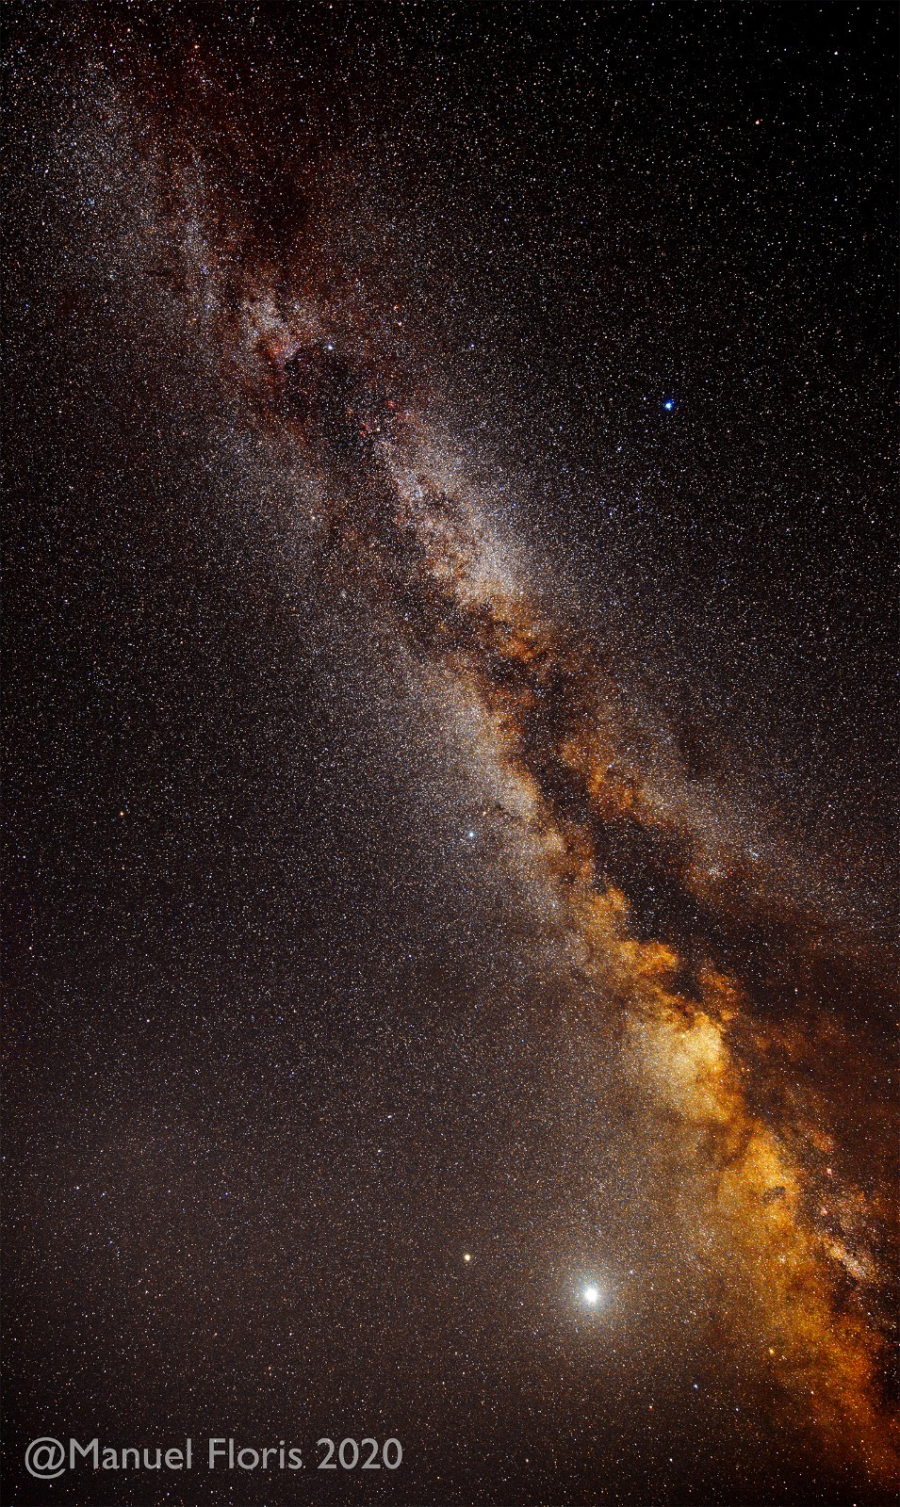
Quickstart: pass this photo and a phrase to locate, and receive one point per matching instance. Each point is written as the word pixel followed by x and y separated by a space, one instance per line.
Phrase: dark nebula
pixel 449 965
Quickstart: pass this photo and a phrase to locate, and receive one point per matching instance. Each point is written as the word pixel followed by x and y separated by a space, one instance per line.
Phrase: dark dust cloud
pixel 448 868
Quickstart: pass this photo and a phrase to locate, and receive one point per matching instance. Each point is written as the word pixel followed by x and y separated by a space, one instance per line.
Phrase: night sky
pixel 448 867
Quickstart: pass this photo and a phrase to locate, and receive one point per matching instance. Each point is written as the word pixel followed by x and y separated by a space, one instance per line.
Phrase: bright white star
pixel 592 1296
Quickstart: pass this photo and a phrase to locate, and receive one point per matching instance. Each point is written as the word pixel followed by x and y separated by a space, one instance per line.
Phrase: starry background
pixel 280 1048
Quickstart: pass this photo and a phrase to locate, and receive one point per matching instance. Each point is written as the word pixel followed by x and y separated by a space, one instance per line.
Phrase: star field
pixel 448 870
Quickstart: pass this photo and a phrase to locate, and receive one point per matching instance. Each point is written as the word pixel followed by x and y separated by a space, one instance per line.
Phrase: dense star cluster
pixel 448 950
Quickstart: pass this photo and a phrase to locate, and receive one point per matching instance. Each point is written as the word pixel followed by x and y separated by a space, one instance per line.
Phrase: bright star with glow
pixel 592 1296
pixel 669 404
